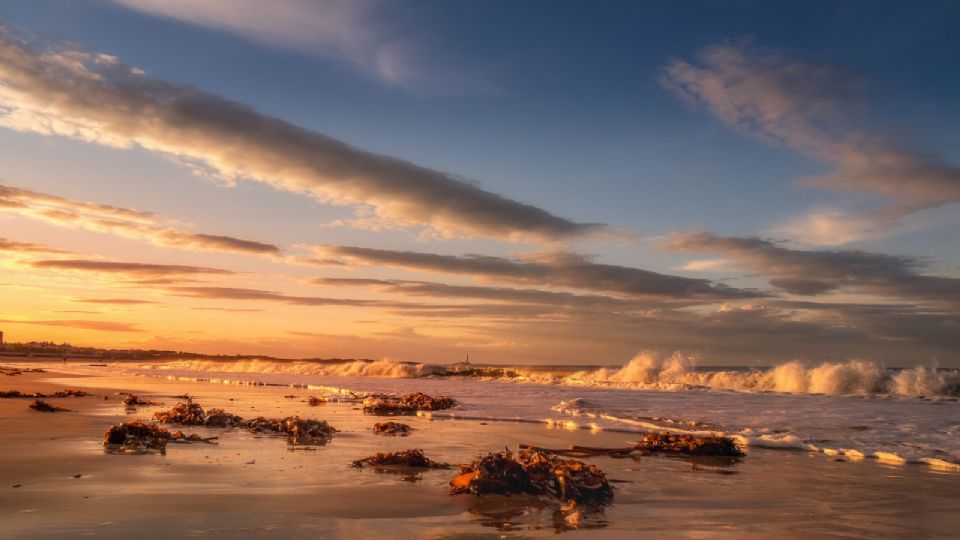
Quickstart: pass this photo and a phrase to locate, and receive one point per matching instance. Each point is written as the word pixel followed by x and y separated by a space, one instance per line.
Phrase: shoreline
pixel 254 486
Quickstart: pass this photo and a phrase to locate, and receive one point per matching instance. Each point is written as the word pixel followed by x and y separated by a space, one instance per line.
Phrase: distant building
pixel 1 337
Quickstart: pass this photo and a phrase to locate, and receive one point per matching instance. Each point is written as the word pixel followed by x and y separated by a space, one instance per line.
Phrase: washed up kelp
pixel 392 405
pixel 680 444
pixel 315 401
pixel 140 437
pixel 221 418
pixel 133 401
pixel 391 428
pixel 535 472
pixel 299 431
pixel 192 414
pixel 35 395
pixel 5 370
pixel 689 445
pixel 19 394
pixel 42 406
pixel 494 473
pixel 405 458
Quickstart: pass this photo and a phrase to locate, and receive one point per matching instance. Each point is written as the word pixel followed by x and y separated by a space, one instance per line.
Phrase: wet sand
pixel 254 486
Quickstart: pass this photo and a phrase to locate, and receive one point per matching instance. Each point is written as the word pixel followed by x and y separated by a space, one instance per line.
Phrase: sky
pixel 540 182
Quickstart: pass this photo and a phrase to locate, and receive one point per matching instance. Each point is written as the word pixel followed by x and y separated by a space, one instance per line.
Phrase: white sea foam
pixel 646 371
pixel 653 371
pixel 851 410
pixel 356 368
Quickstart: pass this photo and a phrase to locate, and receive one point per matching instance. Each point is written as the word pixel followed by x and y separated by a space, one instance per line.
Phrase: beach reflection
pixel 525 512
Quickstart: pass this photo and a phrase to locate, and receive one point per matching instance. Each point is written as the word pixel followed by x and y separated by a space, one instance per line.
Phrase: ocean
pixel 855 409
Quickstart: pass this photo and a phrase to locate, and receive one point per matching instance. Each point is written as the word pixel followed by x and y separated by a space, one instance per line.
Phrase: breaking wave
pixel 355 368
pixel 650 370
pixel 646 371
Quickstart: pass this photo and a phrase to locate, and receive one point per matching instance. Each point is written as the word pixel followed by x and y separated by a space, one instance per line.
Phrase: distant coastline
pixel 47 350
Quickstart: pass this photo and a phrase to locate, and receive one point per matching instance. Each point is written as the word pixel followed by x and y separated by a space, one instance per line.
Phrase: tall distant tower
pixel 1 337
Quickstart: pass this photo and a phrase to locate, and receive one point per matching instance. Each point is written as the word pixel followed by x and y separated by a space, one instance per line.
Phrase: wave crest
pixel 356 368
pixel 654 371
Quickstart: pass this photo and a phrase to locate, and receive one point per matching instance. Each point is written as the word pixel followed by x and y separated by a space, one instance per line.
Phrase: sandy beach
pixel 60 483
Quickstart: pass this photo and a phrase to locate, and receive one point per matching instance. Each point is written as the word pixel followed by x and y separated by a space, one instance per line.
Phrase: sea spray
pixel 653 371
pixel 648 370
pixel 355 368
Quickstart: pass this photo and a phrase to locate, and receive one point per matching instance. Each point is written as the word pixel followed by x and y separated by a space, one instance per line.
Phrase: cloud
pixel 20 198
pixel 228 310
pixel 102 326
pixel 233 293
pixel 495 294
pixel 826 226
pixel 136 269
pixel 806 107
pixel 555 269
pixel 26 247
pixel 524 311
pixel 114 301
pixel 121 221
pixel 708 265
pixel 764 94
pixel 59 90
pixel 217 242
pixel 816 272
pixel 357 32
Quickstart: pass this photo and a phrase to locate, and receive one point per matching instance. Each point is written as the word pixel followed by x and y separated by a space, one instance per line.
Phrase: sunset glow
pixel 150 205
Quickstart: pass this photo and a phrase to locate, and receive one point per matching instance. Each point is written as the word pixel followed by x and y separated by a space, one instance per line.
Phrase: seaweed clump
pixel 535 472
pixel 392 405
pixel 42 406
pixel 192 414
pixel 11 371
pixel 688 445
pixel 133 401
pixel 57 394
pixel 494 473
pixel 391 428
pixel 405 458
pixel 678 444
pixel 140 437
pixel 299 431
